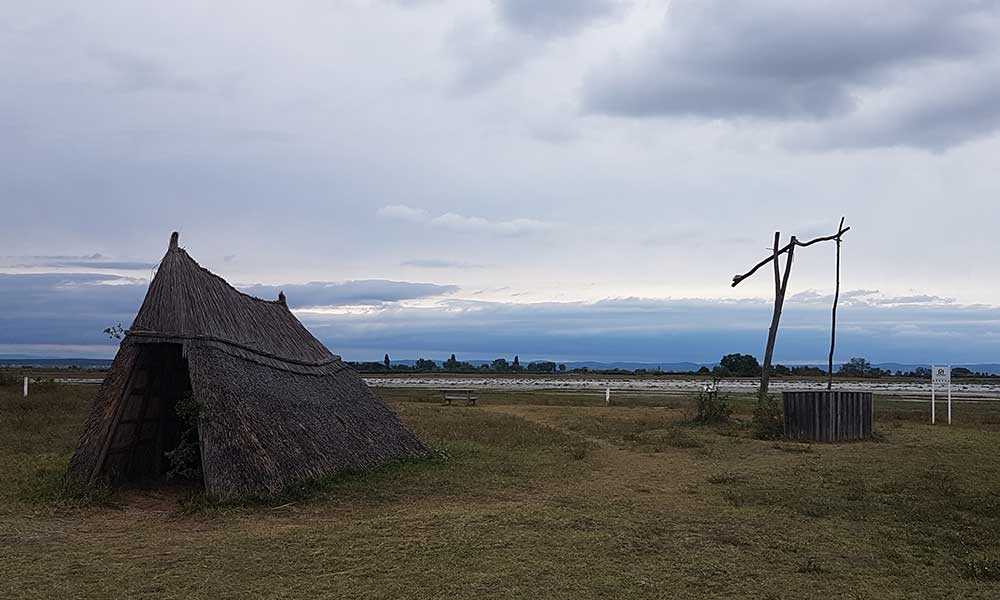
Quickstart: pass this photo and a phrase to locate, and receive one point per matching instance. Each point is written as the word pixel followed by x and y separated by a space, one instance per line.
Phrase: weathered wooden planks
pixel 827 416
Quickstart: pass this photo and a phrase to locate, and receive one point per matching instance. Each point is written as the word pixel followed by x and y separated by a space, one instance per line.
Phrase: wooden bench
pixel 467 396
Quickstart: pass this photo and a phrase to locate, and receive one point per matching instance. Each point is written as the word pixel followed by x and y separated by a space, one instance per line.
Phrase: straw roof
pixel 277 406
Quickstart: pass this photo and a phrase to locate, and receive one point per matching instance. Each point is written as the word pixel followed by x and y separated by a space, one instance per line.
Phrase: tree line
pixel 730 365
pixel 453 365
pixel 746 365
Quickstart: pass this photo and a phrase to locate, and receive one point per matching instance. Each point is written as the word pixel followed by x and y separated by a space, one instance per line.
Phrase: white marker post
pixel 607 397
pixel 933 380
pixel 949 394
pixel 25 387
pixel 940 376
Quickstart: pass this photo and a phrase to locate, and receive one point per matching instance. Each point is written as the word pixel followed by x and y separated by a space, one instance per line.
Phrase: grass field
pixel 540 495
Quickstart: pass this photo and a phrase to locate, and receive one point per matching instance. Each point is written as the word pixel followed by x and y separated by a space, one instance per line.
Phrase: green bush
pixel 768 419
pixel 9 377
pixel 185 459
pixel 713 406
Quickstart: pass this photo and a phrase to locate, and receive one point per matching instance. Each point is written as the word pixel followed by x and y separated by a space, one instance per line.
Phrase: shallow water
pixel 908 388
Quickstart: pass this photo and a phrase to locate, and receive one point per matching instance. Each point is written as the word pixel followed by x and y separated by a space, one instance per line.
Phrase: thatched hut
pixel 272 406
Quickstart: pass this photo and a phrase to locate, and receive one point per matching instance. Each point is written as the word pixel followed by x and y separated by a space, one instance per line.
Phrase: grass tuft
pixel 982 569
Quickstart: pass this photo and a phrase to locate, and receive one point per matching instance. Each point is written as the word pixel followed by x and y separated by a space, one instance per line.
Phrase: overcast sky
pixel 568 179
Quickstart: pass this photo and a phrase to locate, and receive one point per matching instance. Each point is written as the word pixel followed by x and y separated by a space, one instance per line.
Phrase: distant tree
pixel 741 365
pixel 562 368
pixel 424 364
pixel 517 363
pixel 856 367
pixel 807 371
pixel 703 371
pixel 451 364
pixel 780 370
pixel 962 372
pixel 541 367
pixel 387 362
pixel 500 365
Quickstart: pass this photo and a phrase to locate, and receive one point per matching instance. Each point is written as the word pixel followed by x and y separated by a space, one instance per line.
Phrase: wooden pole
pixel 780 286
pixel 836 299
pixel 772 332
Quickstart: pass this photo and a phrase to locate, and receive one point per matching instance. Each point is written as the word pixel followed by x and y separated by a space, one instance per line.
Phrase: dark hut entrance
pixel 150 438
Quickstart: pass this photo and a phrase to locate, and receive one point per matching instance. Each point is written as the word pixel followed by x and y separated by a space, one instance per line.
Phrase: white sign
pixel 941 375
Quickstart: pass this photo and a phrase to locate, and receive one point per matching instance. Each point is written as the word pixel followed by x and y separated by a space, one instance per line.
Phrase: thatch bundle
pixel 275 407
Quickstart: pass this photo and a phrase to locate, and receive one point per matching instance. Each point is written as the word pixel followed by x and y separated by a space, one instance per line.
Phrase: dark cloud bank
pixel 73 309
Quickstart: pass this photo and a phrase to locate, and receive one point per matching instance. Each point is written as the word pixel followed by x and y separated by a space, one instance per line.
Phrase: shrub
pixel 713 406
pixel 10 377
pixel 768 419
pixel 185 459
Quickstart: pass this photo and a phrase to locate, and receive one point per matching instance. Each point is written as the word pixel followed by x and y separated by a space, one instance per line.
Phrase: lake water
pixel 964 391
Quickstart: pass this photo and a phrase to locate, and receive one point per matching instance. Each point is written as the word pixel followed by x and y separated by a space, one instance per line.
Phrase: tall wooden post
pixel 836 299
pixel 780 285
pixel 772 332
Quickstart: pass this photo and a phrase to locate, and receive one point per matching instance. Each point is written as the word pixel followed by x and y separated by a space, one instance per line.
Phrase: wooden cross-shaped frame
pixel 781 285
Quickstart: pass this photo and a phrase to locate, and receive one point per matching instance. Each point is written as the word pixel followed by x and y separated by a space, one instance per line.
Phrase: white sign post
pixel 940 376
pixel 25 387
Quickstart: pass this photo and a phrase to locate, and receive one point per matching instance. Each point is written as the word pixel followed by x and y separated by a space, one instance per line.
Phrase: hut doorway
pixel 156 435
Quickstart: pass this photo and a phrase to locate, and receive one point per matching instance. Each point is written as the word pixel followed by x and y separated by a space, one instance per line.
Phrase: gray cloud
pixel 74 308
pixel 487 51
pixel 954 110
pixel 439 263
pixel 554 17
pixel 135 73
pixel 463 223
pixel 105 264
pixel 871 298
pixel 484 54
pixel 413 3
pixel 368 291
pixel 786 59
pixel 92 261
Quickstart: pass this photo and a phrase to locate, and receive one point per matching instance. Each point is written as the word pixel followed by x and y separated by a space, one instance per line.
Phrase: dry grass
pixel 527 500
